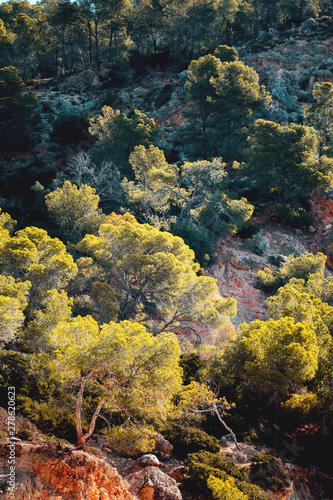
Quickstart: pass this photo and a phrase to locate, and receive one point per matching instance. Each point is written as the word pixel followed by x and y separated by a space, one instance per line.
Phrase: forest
pixel 113 324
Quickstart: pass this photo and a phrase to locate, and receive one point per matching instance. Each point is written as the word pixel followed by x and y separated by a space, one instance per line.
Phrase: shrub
pixel 164 95
pixel 191 365
pixel 203 472
pixel 295 267
pixel 225 490
pixel 217 461
pixel 295 217
pixel 189 440
pixel 17 112
pixel 199 239
pixel 267 470
pixel 69 128
pixel 131 441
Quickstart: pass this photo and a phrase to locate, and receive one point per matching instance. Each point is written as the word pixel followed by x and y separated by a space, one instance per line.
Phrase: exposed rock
pixel 42 473
pixel 309 25
pixel 226 440
pixel 281 94
pixel 237 263
pixel 153 484
pixel 148 460
pixel 267 36
pixel 178 473
pixel 290 70
pixel 162 445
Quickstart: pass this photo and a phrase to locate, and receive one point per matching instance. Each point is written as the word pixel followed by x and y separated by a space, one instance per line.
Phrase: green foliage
pixel 155 181
pixel 202 472
pixel 10 83
pixel 131 441
pixel 320 113
pixel 199 239
pixel 297 300
pixel 69 128
pixel 133 369
pixel 13 300
pixel 40 397
pixel 75 209
pixel 187 440
pixel 118 134
pixel 273 359
pixel 268 470
pixel 6 222
pixel 225 490
pixel 198 85
pixel 295 267
pixel 17 110
pixel 150 268
pixel 55 307
pixel 283 159
pixel 202 206
pixel 301 404
pixel 31 254
pixel 293 216
pixel 191 365
pixel 227 94
pixel 226 54
pixel 218 461
pixel 105 301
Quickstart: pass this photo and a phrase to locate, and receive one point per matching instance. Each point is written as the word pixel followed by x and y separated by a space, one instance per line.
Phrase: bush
pixel 187 440
pixel 199 239
pixel 163 96
pixel 217 461
pixel 295 217
pixel 131 441
pixel 267 471
pixel 69 128
pixel 17 112
pixel 225 490
pixel 203 473
pixel 295 267
pixel 191 365
pixel 38 396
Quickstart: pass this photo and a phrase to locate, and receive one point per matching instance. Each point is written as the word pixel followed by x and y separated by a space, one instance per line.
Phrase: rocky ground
pixel 48 471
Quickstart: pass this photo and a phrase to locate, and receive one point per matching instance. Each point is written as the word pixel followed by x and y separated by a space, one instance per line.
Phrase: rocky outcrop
pixel 322 230
pixel 153 484
pixel 162 445
pixel 42 472
pixel 290 70
pixel 237 263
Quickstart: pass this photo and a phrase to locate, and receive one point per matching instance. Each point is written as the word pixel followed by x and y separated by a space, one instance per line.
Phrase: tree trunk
pixel 90 43
pixel 81 438
pixel 78 411
pixel 97 44
pixel 110 46
pixel 217 413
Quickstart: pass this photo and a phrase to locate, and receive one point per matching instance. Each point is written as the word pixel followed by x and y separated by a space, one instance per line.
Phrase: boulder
pixel 309 25
pixel 148 460
pixel 267 36
pixel 153 484
pixel 162 445
pixel 286 101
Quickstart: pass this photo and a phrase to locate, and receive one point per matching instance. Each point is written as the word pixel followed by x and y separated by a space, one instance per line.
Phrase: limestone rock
pixel 162 445
pixel 148 460
pixel 42 473
pixel 153 484
pixel 309 25
pixel 282 95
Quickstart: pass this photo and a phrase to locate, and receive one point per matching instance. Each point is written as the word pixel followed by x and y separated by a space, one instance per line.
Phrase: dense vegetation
pixel 103 291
